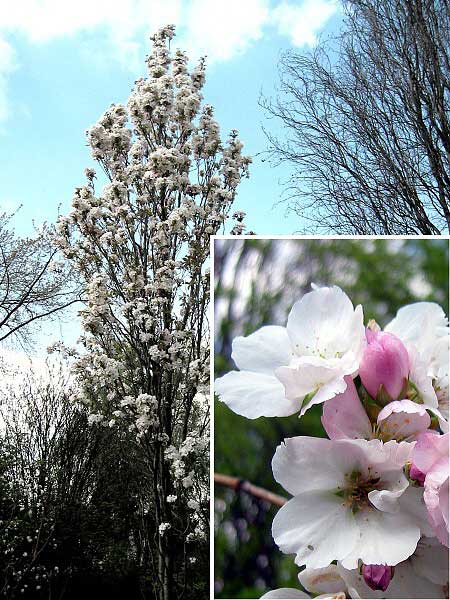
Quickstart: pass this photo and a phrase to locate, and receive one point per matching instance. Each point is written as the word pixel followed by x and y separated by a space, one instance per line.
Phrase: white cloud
pixel 225 30
pixel 125 24
pixel 302 22
pixel 44 20
pixel 221 29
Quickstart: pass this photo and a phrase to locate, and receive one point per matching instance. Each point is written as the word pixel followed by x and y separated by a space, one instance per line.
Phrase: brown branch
pixel 235 483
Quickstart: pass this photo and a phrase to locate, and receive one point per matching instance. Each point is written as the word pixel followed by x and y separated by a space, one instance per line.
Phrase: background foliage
pixel 257 282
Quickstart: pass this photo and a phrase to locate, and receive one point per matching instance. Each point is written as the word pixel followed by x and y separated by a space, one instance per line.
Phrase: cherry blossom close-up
pixel 364 490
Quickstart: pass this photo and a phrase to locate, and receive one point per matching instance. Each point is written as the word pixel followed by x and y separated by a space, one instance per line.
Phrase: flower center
pixel 356 493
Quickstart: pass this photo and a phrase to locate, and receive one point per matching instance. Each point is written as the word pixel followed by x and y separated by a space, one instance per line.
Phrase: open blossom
pixel 188 480
pixel 284 370
pixel 430 465
pixel 346 502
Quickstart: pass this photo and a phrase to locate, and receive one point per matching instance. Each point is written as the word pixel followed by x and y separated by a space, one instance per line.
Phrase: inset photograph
pixel 331 435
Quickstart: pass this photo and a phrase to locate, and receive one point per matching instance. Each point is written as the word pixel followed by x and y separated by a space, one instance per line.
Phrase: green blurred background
pixel 256 283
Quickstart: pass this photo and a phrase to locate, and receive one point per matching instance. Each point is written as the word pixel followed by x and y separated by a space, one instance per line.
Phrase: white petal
pixel 394 484
pixel 323 378
pixel 324 323
pixel 420 377
pixel 419 324
pixel 254 395
pixel 430 560
pixel 386 500
pixel 376 458
pixel 315 526
pixel 403 419
pixel 308 373
pixel 285 594
pixel 262 351
pixel 384 538
pixel 322 581
pixel 406 583
pixel 325 392
pixel 412 503
pixel 439 355
pixel 392 455
pixel 305 463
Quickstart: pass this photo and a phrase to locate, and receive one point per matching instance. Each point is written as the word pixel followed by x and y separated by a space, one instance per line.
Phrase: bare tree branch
pixel 239 484
pixel 367 121
pixel 35 283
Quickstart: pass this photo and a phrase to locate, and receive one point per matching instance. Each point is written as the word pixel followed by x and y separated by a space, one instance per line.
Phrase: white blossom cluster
pixel 163 528
pixel 185 463
pixel 179 457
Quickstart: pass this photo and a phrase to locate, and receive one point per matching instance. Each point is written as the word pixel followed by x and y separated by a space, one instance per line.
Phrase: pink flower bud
pixel 377 577
pixel 385 362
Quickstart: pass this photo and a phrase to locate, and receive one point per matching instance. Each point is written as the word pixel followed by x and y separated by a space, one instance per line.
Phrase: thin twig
pixel 236 483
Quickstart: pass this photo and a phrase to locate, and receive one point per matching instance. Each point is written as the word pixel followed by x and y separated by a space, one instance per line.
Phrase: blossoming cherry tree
pixel 141 246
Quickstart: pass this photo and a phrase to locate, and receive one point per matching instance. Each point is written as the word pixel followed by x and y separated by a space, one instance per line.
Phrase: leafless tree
pixel 34 282
pixel 50 452
pixel 67 502
pixel 367 121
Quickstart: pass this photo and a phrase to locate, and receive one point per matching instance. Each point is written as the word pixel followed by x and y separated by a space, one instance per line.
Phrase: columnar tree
pixel 367 121
pixel 142 247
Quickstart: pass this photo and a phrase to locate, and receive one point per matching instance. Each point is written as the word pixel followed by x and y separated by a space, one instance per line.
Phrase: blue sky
pixel 63 63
